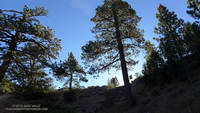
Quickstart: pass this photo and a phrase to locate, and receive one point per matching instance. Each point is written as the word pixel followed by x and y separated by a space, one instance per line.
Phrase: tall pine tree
pixel 172 45
pixel 117 39
pixel 170 29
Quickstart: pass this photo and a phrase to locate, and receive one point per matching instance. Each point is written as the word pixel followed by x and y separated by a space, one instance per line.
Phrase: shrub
pixel 6 87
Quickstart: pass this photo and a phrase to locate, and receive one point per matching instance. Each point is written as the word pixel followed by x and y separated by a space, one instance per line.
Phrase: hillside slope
pixel 179 97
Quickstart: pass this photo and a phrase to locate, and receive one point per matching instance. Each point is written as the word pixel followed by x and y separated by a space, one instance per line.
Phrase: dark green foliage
pixel 153 66
pixel 169 28
pixel 26 46
pixel 194 8
pixel 103 53
pixel 191 33
pixel 177 42
pixel 70 71
pixel 31 76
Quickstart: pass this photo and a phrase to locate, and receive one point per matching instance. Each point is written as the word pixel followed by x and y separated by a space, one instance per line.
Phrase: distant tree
pixel 113 82
pixel 194 8
pixel 117 39
pixel 17 31
pixel 154 62
pixel 170 28
pixel 153 58
pixel 70 71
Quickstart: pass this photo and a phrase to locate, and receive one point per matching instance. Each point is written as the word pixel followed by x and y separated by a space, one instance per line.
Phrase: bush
pixel 6 87
pixel 70 96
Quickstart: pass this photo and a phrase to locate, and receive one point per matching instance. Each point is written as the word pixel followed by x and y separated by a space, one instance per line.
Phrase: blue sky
pixel 70 20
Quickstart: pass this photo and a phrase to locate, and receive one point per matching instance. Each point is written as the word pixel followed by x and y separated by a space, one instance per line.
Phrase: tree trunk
pixel 70 82
pixel 122 59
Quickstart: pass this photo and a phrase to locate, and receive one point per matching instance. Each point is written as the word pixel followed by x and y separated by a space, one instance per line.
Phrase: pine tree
pixel 117 39
pixel 191 33
pixel 70 71
pixel 19 29
pixel 170 30
pixel 28 72
pixel 154 63
pixel 172 45
pixel 194 8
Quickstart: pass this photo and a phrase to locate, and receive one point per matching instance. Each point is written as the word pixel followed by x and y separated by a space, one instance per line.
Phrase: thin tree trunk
pixel 70 82
pixel 122 59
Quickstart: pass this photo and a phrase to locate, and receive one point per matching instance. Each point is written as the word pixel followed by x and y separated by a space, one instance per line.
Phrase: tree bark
pixel 122 58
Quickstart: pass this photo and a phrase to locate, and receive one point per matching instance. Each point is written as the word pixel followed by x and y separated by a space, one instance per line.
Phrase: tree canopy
pixel 194 8
pixel 169 28
pixel 102 53
pixel 24 40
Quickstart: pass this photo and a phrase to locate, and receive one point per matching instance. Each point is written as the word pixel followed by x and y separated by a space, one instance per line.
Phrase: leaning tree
pixel 118 39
